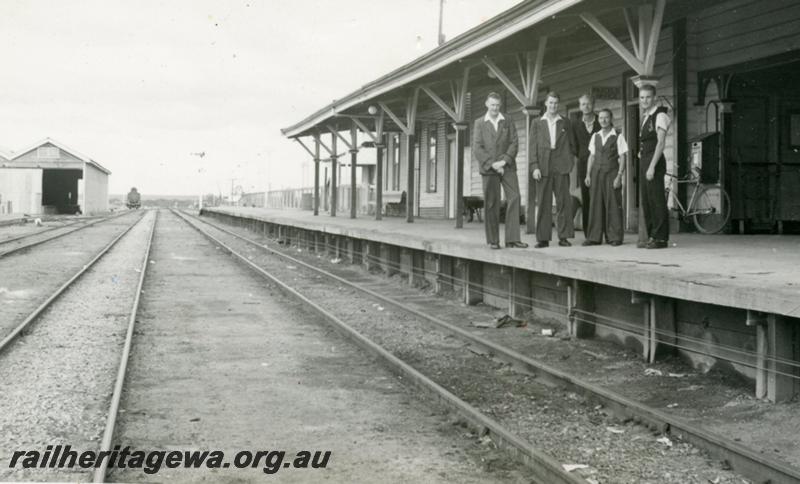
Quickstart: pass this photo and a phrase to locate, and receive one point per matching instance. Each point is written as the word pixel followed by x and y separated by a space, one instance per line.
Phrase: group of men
pixel 555 145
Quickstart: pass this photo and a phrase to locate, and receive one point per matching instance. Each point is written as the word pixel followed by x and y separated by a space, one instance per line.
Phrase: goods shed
pixel 50 178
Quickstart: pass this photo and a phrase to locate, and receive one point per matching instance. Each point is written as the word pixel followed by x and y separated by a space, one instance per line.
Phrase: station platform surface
pixel 757 272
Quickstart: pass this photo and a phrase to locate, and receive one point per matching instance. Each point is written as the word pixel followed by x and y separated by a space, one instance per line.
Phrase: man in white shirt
pixel 653 167
pixel 552 155
pixel 604 179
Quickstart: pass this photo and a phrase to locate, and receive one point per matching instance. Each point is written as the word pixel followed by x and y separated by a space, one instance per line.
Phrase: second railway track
pixel 26 241
pixel 63 397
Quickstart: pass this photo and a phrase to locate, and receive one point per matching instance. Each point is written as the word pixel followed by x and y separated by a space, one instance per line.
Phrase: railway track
pixel 116 397
pixel 12 360
pixel 743 460
pixel 545 469
pixel 25 241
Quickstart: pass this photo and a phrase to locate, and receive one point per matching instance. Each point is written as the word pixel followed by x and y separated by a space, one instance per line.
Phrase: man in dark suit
pixel 494 145
pixel 583 129
pixel 552 155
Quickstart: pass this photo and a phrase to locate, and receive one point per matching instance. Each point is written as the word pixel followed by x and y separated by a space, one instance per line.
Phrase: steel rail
pixel 48 239
pixel 113 409
pixel 50 300
pixel 545 469
pixel 32 234
pixel 742 459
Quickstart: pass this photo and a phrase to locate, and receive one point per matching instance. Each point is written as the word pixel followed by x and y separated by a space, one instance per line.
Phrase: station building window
pixel 395 162
pixel 431 165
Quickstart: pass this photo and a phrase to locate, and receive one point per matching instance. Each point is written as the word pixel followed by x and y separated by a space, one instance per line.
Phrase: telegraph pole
pixel 441 17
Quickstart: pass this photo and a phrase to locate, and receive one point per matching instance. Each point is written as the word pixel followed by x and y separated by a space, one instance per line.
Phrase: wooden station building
pixel 725 69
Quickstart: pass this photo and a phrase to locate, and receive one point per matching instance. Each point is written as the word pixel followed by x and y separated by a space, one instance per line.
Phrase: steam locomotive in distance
pixel 134 200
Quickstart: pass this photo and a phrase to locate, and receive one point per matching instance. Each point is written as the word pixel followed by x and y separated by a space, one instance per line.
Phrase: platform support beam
pixel 390 259
pixel 782 380
pixel 334 175
pixel 665 332
pixel 473 282
pixel 444 274
pixel 417 277
pixel 519 300
pixel 461 140
pixel 341 247
pixel 379 152
pixel 355 251
pixel 316 176
pixel 775 379
pixel 659 330
pixel 353 168
pixel 406 263
pixel 648 324
pixel 411 165
pixel 580 308
pixel 370 252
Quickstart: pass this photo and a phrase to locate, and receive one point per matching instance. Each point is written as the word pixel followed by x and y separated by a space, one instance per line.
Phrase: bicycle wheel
pixel 711 209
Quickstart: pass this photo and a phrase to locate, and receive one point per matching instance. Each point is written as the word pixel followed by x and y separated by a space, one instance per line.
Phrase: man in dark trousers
pixel 552 153
pixel 494 145
pixel 653 167
pixel 583 128
pixel 604 179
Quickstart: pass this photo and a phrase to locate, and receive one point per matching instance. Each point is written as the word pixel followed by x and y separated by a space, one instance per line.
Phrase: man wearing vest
pixel 494 145
pixel 584 127
pixel 552 153
pixel 653 167
pixel 604 179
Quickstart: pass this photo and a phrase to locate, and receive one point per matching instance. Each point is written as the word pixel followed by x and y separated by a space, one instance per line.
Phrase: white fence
pixel 303 198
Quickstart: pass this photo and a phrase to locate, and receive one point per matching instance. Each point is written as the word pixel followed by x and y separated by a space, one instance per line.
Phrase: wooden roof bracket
pixel 530 75
pixel 643 58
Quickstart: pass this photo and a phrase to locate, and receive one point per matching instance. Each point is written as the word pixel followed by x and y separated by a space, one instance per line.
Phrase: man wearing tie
pixel 583 129
pixel 494 145
pixel 552 153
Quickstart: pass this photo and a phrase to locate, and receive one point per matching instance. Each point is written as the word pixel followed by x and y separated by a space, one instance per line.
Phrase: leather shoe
pixel 564 243
pixel 542 244
pixel 657 244
pixel 643 245
pixel 590 242
pixel 517 244
pixel 494 246
pixel 615 243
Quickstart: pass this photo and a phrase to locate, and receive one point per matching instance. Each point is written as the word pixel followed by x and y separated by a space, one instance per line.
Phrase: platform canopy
pixel 511 47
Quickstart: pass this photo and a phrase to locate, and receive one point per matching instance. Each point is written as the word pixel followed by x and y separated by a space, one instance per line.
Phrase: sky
pixel 142 87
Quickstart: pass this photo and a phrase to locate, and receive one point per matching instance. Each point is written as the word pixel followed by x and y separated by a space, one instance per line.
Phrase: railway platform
pixel 717 300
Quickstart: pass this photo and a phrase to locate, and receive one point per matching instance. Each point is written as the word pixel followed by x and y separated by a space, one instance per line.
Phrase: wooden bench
pixel 472 208
pixel 394 204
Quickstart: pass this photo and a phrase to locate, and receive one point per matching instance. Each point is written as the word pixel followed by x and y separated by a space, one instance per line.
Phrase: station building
pixel 726 70
pixel 50 178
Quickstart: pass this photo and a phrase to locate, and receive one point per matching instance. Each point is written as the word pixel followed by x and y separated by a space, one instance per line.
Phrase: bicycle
pixel 709 206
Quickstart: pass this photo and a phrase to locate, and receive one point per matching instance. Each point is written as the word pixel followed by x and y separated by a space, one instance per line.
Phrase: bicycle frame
pixel 675 198
pixel 686 211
